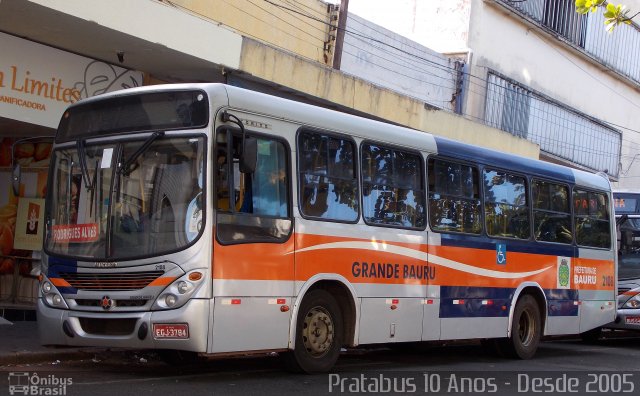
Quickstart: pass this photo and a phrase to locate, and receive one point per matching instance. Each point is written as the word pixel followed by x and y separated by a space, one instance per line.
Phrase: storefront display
pixel 37 83
pixel 17 284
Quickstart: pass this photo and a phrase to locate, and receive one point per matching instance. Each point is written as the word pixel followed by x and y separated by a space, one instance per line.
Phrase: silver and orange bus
pixel 208 219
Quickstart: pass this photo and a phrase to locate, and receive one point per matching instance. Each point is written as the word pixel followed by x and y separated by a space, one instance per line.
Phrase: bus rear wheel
pixel 526 330
pixel 318 334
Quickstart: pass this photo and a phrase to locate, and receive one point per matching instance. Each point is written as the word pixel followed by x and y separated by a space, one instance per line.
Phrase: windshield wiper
pixel 82 156
pixel 124 168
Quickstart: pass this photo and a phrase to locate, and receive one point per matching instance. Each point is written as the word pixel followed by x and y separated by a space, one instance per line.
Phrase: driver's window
pixel 252 206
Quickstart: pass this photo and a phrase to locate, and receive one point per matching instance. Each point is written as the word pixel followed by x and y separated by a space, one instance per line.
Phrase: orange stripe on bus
pixel 59 282
pixel 256 261
pixel 400 263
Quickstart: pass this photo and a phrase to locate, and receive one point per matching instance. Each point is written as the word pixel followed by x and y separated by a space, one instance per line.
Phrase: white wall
pixel 390 60
pixel 632 5
pixel 525 54
pixel 438 24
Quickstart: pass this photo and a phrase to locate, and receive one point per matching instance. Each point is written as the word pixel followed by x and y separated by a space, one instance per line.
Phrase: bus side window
pixel 454 200
pixel 327 177
pixel 551 212
pixel 228 167
pixel 506 206
pixel 252 207
pixel 222 180
pixel 393 192
pixel 592 223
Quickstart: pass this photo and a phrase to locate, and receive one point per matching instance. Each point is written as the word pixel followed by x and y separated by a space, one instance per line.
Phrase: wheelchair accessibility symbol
pixel 501 253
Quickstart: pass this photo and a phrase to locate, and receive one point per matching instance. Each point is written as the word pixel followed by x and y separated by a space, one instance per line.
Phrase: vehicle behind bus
pixel 627 207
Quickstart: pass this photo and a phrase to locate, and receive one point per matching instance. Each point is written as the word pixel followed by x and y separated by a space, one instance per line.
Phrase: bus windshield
pixel 125 200
pixel 167 110
pixel 629 258
pixel 628 219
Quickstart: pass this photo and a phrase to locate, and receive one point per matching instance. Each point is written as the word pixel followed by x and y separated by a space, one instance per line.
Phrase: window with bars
pixel 586 32
pixel 558 129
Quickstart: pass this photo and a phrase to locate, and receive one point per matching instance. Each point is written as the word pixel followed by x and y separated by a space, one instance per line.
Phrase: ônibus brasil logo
pixel 25 383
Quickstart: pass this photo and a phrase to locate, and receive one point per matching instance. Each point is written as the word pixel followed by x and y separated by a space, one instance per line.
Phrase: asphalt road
pixel 611 366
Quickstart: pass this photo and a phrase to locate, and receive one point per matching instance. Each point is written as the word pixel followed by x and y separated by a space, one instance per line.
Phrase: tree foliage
pixel 614 15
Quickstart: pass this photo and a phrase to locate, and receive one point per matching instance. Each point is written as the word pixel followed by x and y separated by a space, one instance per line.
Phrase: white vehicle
pixel 627 207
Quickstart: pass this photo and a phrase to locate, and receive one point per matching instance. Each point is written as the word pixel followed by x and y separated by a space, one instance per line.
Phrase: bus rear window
pixel 591 219
pixel 135 113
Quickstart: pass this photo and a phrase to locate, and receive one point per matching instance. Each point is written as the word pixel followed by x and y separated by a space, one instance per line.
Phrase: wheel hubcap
pixel 526 328
pixel 318 331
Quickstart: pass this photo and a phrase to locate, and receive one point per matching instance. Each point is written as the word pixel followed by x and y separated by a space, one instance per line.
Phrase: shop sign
pixel 29 224
pixel 38 82
pixel 76 233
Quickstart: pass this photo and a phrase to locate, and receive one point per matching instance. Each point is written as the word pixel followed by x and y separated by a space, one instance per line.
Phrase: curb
pixel 26 357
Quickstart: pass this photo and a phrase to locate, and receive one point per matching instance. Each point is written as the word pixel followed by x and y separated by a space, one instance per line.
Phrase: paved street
pixel 453 369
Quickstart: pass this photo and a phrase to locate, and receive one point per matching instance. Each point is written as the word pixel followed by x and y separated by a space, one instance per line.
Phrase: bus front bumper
pixel 138 330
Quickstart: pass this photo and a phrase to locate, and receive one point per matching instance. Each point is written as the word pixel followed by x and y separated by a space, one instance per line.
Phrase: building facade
pixel 55 53
pixel 540 71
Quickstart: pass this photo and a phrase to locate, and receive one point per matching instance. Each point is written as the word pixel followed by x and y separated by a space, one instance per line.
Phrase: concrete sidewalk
pixel 20 345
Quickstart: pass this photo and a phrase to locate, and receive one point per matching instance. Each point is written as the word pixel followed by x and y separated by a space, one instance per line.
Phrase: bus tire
pixel 318 334
pixel 526 330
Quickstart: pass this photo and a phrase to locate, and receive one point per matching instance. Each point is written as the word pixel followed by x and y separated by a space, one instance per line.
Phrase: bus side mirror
pixel 249 157
pixel 15 179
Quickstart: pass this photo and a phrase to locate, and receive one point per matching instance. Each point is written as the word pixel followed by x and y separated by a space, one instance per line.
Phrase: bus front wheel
pixel 318 334
pixel 526 330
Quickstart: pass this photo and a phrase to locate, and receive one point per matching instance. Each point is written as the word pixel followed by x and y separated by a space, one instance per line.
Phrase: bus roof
pixel 316 117
pixel 506 161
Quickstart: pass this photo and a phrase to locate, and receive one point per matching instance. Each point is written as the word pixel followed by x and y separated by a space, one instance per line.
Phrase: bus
pixel 205 219
pixel 627 209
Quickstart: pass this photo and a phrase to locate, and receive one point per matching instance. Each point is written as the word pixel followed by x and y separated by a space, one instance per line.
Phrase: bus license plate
pixel 174 331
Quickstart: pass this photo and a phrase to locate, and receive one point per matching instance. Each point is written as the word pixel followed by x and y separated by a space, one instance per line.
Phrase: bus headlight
pixel 51 295
pixel 170 300
pixel 183 287
pixel 180 291
pixel 56 299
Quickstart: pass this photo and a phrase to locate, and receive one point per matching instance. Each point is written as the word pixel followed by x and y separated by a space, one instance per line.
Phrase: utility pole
pixel 342 25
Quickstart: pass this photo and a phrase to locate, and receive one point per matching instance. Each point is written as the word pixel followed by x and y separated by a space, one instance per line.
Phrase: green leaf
pixel 584 6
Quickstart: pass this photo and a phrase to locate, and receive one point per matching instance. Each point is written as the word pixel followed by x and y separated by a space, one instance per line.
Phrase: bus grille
pixel 111 282
pixel 84 302
pixel 108 326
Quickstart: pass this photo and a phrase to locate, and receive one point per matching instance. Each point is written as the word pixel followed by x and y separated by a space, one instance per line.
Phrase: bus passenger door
pixel 252 255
